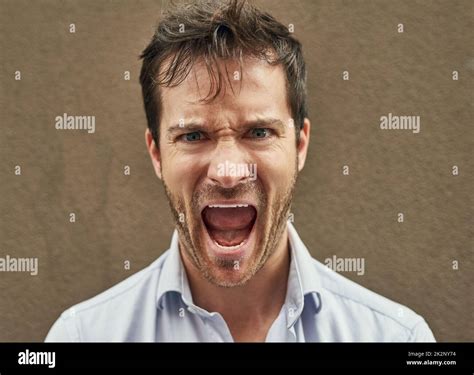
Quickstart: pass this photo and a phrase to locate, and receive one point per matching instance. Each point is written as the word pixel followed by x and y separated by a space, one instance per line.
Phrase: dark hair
pixel 215 30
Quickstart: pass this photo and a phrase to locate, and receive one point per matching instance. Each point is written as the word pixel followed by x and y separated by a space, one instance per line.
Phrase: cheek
pixel 276 169
pixel 181 173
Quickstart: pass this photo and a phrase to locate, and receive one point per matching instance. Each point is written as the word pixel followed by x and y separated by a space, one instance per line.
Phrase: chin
pixel 227 278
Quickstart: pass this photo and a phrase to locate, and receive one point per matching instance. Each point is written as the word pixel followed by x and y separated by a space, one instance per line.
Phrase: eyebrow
pixel 258 123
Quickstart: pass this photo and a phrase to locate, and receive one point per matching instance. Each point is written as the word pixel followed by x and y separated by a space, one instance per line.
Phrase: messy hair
pixel 213 31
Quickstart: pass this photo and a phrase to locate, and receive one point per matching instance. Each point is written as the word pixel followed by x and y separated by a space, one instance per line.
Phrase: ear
pixel 154 152
pixel 303 144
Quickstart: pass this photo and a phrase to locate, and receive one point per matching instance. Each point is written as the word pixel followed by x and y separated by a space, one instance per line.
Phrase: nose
pixel 229 165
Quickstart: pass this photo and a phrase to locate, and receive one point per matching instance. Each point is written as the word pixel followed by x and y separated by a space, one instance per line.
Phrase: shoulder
pixel 124 289
pixel 115 307
pixel 368 315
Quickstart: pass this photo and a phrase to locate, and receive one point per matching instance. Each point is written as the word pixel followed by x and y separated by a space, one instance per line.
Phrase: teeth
pixel 230 247
pixel 227 205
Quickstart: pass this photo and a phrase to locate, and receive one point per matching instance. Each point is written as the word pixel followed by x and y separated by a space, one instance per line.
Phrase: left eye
pixel 260 133
pixel 192 137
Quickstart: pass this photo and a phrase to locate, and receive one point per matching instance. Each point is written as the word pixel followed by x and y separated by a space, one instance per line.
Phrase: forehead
pixel 253 88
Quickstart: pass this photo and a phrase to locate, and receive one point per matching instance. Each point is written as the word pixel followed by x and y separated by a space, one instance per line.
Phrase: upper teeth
pixel 229 247
pixel 227 205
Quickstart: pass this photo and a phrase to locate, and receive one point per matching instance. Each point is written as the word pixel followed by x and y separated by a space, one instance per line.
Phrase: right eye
pixel 191 137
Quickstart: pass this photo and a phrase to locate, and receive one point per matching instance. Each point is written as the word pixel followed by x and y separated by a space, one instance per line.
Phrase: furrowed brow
pixel 196 126
pixel 193 126
pixel 265 122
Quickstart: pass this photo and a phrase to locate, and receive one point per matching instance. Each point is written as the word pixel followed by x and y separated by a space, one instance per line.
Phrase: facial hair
pixel 188 221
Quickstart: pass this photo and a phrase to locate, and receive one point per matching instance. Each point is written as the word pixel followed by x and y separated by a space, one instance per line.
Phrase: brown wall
pixel 126 217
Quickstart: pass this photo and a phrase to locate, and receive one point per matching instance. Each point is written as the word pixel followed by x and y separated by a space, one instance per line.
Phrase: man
pixel 228 133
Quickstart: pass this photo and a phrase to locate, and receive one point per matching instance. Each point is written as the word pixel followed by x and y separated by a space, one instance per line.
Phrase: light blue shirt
pixel 156 305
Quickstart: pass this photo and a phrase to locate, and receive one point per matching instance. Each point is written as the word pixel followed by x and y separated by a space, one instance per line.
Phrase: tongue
pixel 229 226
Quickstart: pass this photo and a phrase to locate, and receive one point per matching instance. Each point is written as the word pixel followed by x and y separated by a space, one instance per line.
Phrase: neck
pixel 257 303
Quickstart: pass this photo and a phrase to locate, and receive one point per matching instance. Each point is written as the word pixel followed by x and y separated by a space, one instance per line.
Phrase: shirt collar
pixel 172 272
pixel 303 279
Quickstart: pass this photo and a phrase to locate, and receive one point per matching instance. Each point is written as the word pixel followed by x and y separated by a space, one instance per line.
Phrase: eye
pixel 191 137
pixel 260 133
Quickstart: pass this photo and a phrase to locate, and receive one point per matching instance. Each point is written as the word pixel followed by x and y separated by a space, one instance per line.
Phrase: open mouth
pixel 229 225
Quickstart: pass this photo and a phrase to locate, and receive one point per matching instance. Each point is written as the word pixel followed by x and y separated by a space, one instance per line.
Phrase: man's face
pixel 229 167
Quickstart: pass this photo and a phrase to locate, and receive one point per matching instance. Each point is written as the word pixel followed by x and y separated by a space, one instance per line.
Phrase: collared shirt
pixel 156 305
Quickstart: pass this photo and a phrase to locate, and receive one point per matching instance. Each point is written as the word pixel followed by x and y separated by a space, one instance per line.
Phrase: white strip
pixel 230 247
pixel 227 205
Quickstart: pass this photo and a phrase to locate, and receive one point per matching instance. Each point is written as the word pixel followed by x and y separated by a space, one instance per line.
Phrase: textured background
pixel 126 217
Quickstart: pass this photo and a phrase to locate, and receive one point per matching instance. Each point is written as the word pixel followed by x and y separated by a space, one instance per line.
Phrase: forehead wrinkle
pixel 213 126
